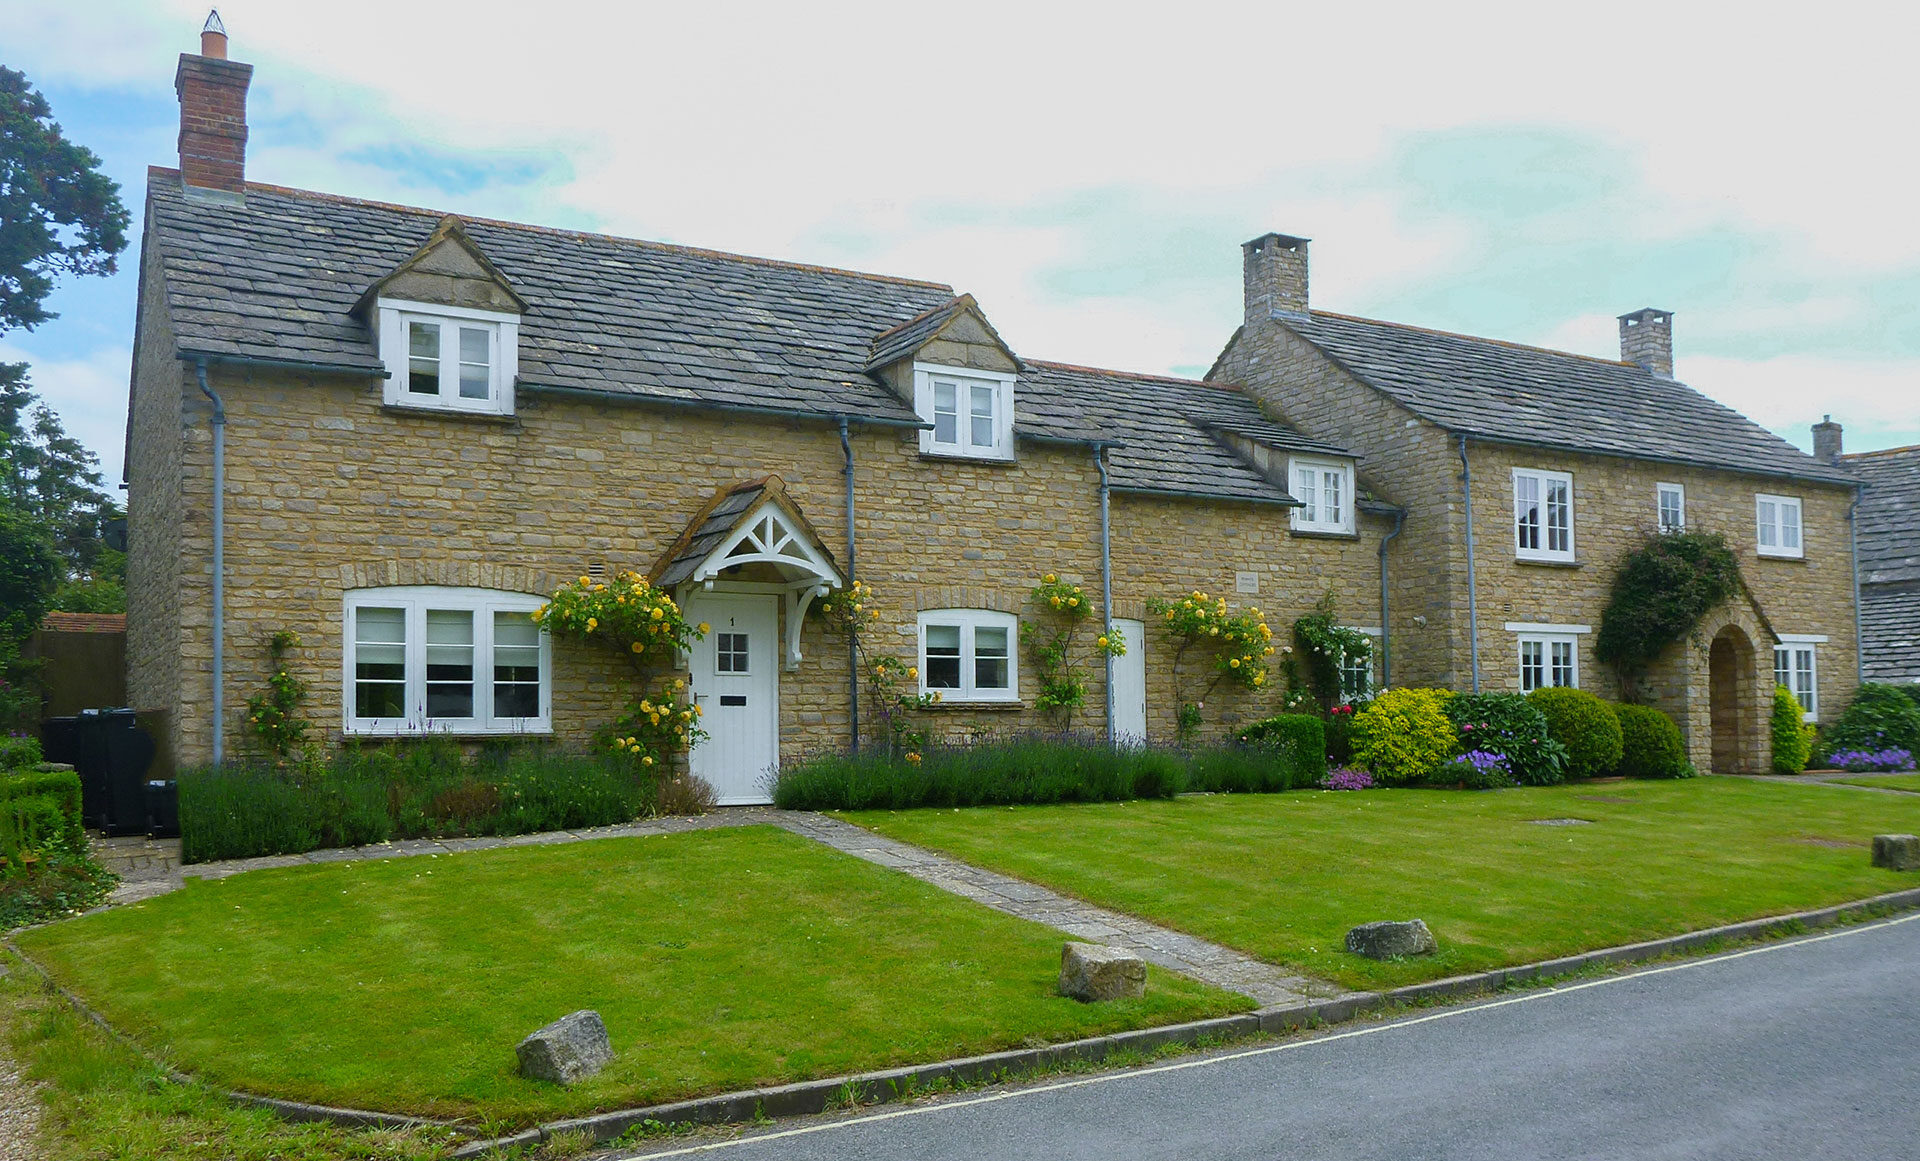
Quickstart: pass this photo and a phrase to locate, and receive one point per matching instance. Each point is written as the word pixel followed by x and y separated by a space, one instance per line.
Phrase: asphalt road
pixel 1805 1049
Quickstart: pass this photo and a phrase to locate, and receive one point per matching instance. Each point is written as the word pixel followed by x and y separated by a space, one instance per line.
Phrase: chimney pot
pixel 213 36
pixel 1826 440
pixel 213 114
pixel 1275 276
pixel 1646 338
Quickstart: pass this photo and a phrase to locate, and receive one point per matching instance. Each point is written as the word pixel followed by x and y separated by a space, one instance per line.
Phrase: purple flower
pixel 1345 779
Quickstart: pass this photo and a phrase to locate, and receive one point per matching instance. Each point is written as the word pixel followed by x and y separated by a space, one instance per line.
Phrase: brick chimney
pixel 1646 338
pixel 1826 440
pixel 213 114
pixel 1275 270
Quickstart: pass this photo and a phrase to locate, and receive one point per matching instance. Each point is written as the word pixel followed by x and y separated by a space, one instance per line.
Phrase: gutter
pixel 1183 494
pixel 853 660
pixel 219 561
pixel 207 358
pixel 737 408
pixel 1473 601
pixel 1106 578
pixel 1386 630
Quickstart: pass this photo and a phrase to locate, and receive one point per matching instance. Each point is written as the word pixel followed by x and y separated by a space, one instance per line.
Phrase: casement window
pixel 969 655
pixel 1542 515
pixel 1777 525
pixel 455 660
pixel 1796 667
pixel 449 358
pixel 1549 654
pixel 1356 673
pixel 1325 491
pixel 1671 504
pixel 971 411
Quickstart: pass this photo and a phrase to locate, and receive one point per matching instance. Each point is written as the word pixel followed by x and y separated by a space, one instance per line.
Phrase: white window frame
pixel 1796 647
pixel 417 600
pixel 969 621
pixel 1373 656
pixel 1775 528
pixel 1660 493
pixel 1543 481
pixel 925 378
pixel 1306 480
pixel 503 346
pixel 1546 637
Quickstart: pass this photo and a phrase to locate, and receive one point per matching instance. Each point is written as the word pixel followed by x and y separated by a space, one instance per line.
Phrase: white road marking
pixel 1290 1046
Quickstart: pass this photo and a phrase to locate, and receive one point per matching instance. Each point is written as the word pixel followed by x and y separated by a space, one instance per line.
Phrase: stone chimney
pixel 1646 338
pixel 1275 268
pixel 213 114
pixel 1826 440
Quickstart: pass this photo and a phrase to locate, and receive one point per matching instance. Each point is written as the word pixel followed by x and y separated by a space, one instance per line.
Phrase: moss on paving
pixel 719 959
pixel 1283 876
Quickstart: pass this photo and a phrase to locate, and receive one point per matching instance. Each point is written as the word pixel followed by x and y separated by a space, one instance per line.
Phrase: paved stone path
pixel 154 869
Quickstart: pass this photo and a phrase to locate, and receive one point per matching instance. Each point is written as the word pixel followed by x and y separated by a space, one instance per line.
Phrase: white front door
pixel 736 682
pixel 1130 685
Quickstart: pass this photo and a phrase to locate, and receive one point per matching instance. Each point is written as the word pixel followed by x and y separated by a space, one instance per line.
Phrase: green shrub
pixel 416 790
pixel 1301 740
pixel 1584 725
pixel 19 752
pixel 1404 734
pixel 1287 752
pixel 1650 744
pixel 1509 725
pixel 1880 717
pixel 1339 728
pixel 1004 772
pixel 60 789
pixel 1792 743
pixel 46 870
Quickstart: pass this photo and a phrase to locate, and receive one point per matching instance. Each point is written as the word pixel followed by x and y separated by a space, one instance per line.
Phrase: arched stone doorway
pixel 1730 686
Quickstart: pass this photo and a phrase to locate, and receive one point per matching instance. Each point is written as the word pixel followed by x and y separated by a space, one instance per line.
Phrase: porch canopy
pixel 754 523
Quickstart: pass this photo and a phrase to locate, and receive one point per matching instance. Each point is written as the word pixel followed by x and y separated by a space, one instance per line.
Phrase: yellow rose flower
pixel 1072 602
pixel 657 614
pixel 584 581
pixel 647 761
pixel 679 683
pixel 1101 641
pixel 1235 662
pixel 1259 679
pixel 592 624
pixel 704 627
pixel 913 671
pixel 638 647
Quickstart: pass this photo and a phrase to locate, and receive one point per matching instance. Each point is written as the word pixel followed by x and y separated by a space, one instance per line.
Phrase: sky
pixel 1521 171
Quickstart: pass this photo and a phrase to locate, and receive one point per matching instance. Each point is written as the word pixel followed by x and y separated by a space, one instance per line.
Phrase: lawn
pixel 719 960
pixel 1283 876
pixel 1908 782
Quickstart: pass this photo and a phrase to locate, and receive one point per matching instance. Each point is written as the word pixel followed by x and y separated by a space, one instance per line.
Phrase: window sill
pixel 1782 557
pixel 956 704
pixel 449 735
pixel 1535 562
pixel 960 458
pixel 411 409
pixel 1322 534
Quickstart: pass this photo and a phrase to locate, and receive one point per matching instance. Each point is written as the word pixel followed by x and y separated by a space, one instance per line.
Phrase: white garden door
pixel 735 678
pixel 1130 685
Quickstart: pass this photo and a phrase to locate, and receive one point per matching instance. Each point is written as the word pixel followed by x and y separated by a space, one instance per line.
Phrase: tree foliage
pixel 58 213
pixel 51 477
pixel 1662 591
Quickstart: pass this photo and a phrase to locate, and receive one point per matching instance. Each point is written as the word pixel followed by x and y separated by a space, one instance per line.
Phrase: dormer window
pixel 971 411
pixel 449 358
pixel 1325 491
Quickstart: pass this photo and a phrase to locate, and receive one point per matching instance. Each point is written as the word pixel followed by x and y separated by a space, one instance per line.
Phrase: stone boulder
pixel 571 1048
pixel 1090 972
pixel 1388 940
pixel 1896 852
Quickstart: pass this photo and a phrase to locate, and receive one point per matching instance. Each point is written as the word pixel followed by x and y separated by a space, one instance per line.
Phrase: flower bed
pixel 1886 761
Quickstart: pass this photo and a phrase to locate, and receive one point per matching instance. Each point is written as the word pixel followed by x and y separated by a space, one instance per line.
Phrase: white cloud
pixel 90 396
pixel 1868 397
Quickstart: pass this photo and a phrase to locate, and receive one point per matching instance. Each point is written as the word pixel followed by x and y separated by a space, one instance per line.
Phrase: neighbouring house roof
pixel 1888 532
pixel 1890 631
pixel 1529 395
pixel 277 280
pixel 84 622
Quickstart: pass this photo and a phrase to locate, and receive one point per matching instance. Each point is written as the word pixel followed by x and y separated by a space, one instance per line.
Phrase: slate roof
pixel 711 526
pixel 1518 394
pixel 1888 533
pixel 1890 631
pixel 277 279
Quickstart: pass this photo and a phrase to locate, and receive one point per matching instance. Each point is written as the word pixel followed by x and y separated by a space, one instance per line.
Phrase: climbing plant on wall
pixel 1662 591
pixel 893 686
pixel 1049 635
pixel 1324 645
pixel 1239 642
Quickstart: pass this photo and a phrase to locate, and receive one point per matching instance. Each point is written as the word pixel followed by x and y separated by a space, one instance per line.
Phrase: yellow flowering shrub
pixel 1404 734
pixel 1063 609
pixel 893 686
pixel 1240 644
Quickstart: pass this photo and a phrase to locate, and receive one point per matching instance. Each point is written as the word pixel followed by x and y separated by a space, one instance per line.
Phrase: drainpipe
pixel 853 662
pixel 1106 577
pixel 219 561
pixel 1473 600
pixel 1853 550
pixel 1386 633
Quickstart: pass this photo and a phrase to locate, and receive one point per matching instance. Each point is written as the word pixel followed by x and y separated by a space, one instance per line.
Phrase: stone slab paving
pixel 158 872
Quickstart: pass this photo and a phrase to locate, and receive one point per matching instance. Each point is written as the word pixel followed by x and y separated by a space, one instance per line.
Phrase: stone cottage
pixel 393 431
pixel 1525 474
pixel 1889 548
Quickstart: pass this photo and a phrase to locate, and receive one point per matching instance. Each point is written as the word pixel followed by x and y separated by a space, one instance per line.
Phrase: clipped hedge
pixel 19 752
pixel 1792 740
pixel 1584 725
pixel 415 790
pixel 1509 725
pixel 1011 771
pixel 1404 735
pixel 1650 744
pixel 59 791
